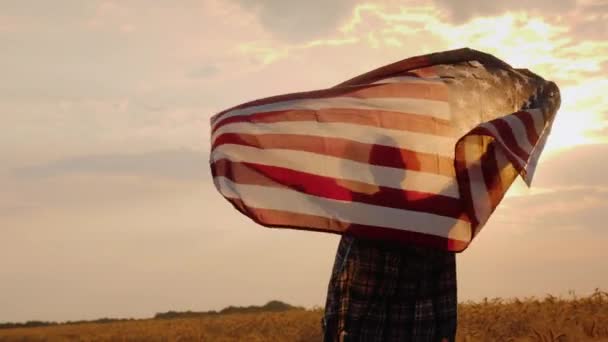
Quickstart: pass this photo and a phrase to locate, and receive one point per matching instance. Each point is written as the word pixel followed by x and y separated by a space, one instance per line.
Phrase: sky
pixel 107 206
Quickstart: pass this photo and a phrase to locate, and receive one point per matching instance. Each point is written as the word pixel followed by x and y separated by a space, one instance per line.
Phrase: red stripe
pixel 480 130
pixel 429 71
pixel 528 122
pixel 283 219
pixel 406 237
pixel 373 118
pixel 464 182
pixel 346 149
pixel 431 91
pixel 338 189
pixel 424 61
pixel 491 176
pixel 428 91
pixel 506 133
pixel 381 78
pixel 496 185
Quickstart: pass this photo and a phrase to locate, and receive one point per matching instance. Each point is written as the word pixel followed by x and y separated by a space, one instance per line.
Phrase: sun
pixel 536 44
pixel 581 115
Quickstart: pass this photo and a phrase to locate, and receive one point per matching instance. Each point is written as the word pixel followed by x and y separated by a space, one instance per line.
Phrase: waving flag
pixel 420 151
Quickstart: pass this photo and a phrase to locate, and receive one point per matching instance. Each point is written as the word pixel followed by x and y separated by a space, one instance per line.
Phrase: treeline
pixel 272 306
pixel 33 324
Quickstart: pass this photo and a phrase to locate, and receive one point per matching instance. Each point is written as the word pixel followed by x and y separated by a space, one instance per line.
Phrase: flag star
pixel 518 86
pixel 485 85
pixel 457 81
pixel 476 64
pixel 465 72
pixel 495 77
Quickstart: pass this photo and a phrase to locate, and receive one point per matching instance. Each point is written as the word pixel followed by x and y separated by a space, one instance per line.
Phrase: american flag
pixel 420 151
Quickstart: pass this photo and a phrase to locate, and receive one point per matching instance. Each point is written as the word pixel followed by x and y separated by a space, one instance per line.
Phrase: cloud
pixel 571 195
pixel 580 166
pixel 173 164
pixel 588 20
pixel 463 10
pixel 524 39
pixel 574 209
pixel 301 20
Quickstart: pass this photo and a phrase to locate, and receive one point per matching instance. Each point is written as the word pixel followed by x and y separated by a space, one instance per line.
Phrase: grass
pixel 531 319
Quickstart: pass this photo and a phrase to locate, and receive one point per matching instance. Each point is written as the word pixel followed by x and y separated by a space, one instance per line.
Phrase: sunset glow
pixel 105 174
pixel 543 45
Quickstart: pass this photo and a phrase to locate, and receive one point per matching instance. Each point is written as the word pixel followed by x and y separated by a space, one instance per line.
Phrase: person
pixel 380 291
pixel 388 291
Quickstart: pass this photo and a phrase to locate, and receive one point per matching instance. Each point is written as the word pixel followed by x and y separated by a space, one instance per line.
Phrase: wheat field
pixel 531 319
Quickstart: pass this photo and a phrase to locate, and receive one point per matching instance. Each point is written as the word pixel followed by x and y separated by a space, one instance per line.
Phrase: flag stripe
pixel 534 157
pixel 539 120
pixel 361 90
pixel 409 237
pixel 374 118
pixel 429 71
pixel 380 155
pixel 416 142
pixel 464 181
pixel 507 172
pixel 337 189
pixel 350 212
pixel 490 130
pixel 434 108
pixel 505 132
pixel 339 168
pixel 520 133
pixel 410 79
pixel 479 191
pixel 528 122
pixel 491 175
pixel 284 219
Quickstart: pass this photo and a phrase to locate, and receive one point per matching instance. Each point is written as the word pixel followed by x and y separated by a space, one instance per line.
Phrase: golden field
pixel 531 319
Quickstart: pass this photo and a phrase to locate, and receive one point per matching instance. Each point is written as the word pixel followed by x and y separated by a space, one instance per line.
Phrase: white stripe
pixel 432 108
pixel 213 119
pixel 338 168
pixel 535 156
pixel 413 141
pixel 499 139
pixel 519 131
pixel 257 196
pixel 479 192
pixel 542 129
pixel 411 79
pixel 506 170
pixel 539 120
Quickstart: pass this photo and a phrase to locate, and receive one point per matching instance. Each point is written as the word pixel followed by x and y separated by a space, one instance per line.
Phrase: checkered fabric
pixel 384 292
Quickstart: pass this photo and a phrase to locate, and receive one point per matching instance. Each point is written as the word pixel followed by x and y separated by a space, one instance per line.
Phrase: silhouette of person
pixel 383 290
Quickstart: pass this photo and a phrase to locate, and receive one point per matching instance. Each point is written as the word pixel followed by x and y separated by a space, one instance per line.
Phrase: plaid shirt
pixel 384 292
